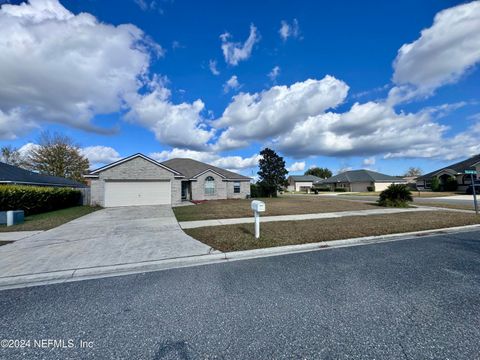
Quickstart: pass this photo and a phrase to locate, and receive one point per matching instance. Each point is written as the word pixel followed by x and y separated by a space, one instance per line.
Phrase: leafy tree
pixel 11 156
pixel 272 172
pixel 435 184
pixel 323 173
pixel 396 195
pixel 413 171
pixel 58 155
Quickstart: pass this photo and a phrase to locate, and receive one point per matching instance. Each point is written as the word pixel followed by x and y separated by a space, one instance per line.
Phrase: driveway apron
pixel 111 236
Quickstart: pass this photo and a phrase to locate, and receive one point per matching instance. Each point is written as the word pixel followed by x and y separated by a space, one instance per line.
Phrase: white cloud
pixel 289 30
pixel 212 64
pixel 274 73
pixel 442 54
pixel 177 125
pixel 367 129
pixel 65 68
pixel 370 161
pixel 276 110
pixel 225 162
pixel 234 52
pixel 100 154
pixel 231 84
pixel 27 148
pixel 296 166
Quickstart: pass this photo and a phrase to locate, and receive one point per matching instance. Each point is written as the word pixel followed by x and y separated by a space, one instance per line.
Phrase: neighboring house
pixel 10 174
pixel 455 171
pixel 301 182
pixel 360 181
pixel 140 180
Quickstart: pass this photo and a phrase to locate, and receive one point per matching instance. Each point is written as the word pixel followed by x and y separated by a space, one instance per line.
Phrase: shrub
pixel 254 191
pixel 370 188
pixel 37 199
pixel 340 190
pixel 435 184
pixel 326 188
pixel 396 195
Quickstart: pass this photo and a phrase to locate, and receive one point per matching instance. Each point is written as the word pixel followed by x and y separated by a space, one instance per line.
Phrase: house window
pixel 209 186
pixel 236 187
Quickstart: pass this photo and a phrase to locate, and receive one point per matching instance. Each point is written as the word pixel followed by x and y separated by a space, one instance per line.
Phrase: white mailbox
pixel 258 206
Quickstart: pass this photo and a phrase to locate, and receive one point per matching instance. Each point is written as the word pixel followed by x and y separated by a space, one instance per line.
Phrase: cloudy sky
pixel 344 84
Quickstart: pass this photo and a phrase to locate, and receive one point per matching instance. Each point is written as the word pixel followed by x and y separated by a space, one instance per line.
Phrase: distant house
pixel 455 171
pixel 13 175
pixel 301 182
pixel 360 181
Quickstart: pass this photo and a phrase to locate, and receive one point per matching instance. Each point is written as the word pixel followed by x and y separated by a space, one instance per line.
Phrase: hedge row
pixel 37 199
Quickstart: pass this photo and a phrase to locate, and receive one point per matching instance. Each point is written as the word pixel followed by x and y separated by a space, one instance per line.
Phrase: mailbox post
pixel 257 207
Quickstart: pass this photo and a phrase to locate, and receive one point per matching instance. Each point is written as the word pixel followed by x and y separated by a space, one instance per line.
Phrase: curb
pixel 71 275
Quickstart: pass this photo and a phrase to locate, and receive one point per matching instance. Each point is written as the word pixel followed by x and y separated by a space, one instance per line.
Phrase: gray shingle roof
pixel 458 167
pixel 300 178
pixel 14 175
pixel 190 168
pixel 361 176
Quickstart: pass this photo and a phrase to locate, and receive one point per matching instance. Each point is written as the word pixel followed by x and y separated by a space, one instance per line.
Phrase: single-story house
pixel 13 175
pixel 455 171
pixel 301 182
pixel 140 180
pixel 360 181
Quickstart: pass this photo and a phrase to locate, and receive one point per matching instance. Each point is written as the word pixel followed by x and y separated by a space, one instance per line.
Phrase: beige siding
pixel 134 169
pixel 244 190
pixel 198 187
pixel 360 186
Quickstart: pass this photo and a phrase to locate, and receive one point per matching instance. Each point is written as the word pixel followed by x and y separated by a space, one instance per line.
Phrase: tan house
pixel 360 181
pixel 140 180
pixel 301 182
pixel 454 171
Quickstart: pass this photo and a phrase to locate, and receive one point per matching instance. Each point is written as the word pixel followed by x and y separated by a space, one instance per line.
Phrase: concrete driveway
pixel 108 237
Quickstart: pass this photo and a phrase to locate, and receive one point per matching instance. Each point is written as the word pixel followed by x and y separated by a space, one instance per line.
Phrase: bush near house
pixel 435 184
pixel 396 195
pixel 370 188
pixel 322 188
pixel 37 199
pixel 340 190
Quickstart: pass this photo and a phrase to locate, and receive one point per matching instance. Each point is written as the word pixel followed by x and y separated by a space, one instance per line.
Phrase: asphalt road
pixel 411 299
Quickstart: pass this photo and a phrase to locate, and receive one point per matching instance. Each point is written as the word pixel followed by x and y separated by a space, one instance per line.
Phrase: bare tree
pixel 58 155
pixel 414 171
pixel 11 156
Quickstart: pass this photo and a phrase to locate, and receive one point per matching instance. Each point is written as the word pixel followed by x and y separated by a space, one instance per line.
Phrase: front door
pixel 185 190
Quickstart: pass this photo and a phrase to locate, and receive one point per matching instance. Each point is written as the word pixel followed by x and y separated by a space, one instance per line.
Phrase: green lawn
pixel 283 205
pixel 241 236
pixel 50 219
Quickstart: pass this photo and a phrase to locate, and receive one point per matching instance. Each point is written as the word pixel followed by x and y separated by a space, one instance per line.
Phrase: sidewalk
pixel 248 220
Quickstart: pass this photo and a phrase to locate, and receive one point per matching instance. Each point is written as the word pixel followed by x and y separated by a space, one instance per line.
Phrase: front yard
pixel 288 205
pixel 241 236
pixel 49 220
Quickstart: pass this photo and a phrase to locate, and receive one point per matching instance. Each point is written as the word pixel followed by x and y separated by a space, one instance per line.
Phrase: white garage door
pixel 133 193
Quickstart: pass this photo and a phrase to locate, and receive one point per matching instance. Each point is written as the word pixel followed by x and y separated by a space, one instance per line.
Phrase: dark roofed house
pixel 360 181
pixel 301 182
pixel 454 171
pixel 10 174
pixel 140 180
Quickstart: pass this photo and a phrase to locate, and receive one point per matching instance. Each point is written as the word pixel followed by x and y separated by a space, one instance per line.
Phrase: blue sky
pixel 159 85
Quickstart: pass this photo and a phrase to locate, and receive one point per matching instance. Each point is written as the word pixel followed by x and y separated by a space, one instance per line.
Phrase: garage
pixel 137 193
